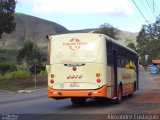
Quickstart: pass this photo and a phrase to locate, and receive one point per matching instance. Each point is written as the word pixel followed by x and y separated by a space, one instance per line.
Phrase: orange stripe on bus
pixel 127 88
pixel 102 92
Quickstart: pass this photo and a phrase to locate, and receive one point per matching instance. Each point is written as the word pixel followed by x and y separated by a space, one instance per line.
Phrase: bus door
pixel 114 59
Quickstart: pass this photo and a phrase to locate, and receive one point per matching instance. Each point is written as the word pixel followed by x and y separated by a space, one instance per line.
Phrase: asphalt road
pixel 146 100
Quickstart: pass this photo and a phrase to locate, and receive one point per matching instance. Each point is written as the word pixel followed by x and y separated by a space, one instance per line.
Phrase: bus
pixel 90 65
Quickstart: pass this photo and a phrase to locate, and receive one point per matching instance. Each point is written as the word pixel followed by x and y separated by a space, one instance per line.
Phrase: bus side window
pixel 109 53
pixel 123 58
pixel 119 57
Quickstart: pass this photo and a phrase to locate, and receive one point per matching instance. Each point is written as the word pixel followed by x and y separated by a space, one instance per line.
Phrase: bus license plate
pixel 74 85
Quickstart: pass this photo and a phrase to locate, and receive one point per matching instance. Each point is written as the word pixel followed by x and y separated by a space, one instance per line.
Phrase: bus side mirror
pixel 47 37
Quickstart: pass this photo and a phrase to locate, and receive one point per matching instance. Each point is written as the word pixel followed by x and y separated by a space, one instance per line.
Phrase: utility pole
pixel 35 76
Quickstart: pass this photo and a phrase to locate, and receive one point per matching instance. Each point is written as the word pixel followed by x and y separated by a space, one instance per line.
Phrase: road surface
pixel 145 101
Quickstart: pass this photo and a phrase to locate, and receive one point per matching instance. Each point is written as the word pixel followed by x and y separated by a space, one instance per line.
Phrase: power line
pixel 148 5
pixel 153 6
pixel 140 11
pixel 156 7
pixel 150 8
pixel 149 11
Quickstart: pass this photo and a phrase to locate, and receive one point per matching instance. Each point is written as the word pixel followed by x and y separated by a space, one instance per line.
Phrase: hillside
pixel 123 37
pixel 32 28
pixel 36 29
pixel 126 37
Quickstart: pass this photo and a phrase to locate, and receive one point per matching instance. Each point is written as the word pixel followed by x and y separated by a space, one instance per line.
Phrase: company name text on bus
pixel 74 44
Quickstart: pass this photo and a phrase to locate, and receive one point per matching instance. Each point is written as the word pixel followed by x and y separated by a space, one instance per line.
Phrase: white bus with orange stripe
pixel 88 65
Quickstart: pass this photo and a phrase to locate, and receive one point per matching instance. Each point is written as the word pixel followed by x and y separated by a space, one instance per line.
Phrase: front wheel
pixel 78 101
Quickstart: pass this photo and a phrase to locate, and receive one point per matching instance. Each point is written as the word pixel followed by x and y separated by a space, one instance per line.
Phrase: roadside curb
pixel 30 91
pixel 25 91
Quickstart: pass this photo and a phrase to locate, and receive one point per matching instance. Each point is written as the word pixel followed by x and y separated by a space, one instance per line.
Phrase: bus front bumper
pixel 101 92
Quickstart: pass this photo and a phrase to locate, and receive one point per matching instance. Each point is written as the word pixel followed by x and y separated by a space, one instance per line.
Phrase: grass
pixel 19 74
pixel 5 85
pixel 23 84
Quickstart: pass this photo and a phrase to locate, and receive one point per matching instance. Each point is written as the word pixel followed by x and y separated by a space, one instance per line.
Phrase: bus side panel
pixel 127 77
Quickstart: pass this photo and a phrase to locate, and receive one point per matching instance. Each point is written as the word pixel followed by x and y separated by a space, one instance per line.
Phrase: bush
pixel 4 68
pixel 43 73
pixel 1 77
pixel 16 75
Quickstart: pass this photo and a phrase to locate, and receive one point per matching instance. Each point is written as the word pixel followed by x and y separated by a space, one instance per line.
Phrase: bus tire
pixel 135 86
pixel 130 95
pixel 119 97
pixel 78 101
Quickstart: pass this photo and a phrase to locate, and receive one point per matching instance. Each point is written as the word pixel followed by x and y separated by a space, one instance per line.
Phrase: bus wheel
pixel 78 101
pixel 130 95
pixel 119 97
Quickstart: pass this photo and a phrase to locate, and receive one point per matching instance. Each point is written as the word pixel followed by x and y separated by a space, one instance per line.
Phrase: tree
pixel 108 30
pixel 152 49
pixel 7 9
pixel 30 54
pixel 132 46
pixel 149 40
pixel 143 37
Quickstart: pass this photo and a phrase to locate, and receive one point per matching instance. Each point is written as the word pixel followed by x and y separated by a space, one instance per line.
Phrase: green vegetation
pixel 7 60
pixel 43 73
pixel 132 46
pixel 7 9
pixel 149 41
pixel 30 54
pixel 15 67
pixel 6 85
pixel 108 30
pixel 19 74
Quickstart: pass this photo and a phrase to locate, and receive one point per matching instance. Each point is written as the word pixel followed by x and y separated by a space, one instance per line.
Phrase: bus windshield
pixel 74 49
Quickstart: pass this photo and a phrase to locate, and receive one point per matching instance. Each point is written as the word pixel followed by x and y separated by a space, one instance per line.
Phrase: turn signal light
pixel 52 75
pixel 98 75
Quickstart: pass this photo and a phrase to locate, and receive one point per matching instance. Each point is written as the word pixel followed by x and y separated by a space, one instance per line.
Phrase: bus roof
pixel 95 34
pixel 120 44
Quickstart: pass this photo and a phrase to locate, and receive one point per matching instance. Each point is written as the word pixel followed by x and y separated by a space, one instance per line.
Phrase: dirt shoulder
pixel 147 101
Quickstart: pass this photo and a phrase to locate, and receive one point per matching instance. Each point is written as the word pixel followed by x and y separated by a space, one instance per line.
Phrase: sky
pixel 85 14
